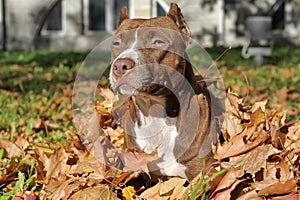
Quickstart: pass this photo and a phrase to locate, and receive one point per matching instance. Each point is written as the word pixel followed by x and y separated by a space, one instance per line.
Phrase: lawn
pixel 36 116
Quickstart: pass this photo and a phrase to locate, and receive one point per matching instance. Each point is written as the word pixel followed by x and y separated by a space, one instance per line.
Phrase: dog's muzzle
pixel 122 65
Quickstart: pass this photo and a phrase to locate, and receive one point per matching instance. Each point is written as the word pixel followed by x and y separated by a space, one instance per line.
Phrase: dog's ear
pixel 123 15
pixel 175 14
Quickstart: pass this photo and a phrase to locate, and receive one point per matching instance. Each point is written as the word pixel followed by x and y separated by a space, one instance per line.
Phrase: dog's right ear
pixel 176 15
pixel 123 15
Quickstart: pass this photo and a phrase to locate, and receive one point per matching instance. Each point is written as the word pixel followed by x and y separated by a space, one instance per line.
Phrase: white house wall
pixel 22 18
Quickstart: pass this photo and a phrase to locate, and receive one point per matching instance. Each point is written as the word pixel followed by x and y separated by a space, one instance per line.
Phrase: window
pixel 102 15
pixel 96 15
pixel 117 7
pixel 54 22
pixel 159 9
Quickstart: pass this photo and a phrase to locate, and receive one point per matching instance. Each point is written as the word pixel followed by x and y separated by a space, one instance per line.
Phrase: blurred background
pixel 82 24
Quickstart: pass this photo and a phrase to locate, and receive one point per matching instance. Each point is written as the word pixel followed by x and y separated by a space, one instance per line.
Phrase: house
pixel 82 24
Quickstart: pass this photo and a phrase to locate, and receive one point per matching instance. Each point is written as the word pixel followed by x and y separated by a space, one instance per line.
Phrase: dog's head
pixel 146 51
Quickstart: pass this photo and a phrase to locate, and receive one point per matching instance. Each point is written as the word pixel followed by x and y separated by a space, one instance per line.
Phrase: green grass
pixel 32 82
pixel 35 94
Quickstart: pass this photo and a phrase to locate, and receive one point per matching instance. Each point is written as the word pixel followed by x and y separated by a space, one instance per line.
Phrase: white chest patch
pixel 156 133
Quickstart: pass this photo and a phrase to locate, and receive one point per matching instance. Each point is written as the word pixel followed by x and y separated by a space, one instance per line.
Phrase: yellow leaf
pixel 129 193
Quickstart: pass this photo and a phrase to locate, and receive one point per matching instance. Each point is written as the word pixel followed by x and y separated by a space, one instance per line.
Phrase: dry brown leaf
pixel 12 149
pixel 286 197
pixel 293 138
pixel 256 118
pixel 22 196
pixel 257 158
pixel 239 144
pixel 277 118
pixel 73 185
pixel 282 95
pixel 228 180
pixel 232 104
pixel 100 192
pixel 173 188
pixel 231 125
pixel 252 195
pixel 109 96
pixel 259 104
pixel 153 193
pixel 93 169
pixel 116 136
pixel 284 170
pixel 280 188
pixel 134 161
pixel 226 193
pixel 52 167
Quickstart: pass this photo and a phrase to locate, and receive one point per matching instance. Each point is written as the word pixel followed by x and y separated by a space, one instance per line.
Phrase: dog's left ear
pixel 123 15
pixel 175 14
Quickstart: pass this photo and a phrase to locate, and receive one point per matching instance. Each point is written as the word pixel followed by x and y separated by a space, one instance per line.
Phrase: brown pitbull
pixel 162 106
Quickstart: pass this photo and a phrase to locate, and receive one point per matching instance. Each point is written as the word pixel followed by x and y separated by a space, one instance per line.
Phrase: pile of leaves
pixel 258 158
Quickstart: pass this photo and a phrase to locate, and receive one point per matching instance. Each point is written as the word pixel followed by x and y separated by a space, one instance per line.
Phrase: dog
pixel 162 105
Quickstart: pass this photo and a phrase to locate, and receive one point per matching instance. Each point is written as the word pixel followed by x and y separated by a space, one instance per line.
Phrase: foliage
pixel 41 154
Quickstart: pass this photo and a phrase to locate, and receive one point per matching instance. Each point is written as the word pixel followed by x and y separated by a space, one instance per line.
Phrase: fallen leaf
pixel 173 188
pixel 280 188
pixel 257 159
pixel 251 195
pixel 282 95
pixel 260 104
pixel 135 161
pixel 228 180
pixel 11 148
pixel 153 193
pixel 52 167
pixel 100 192
pixel 129 193
pixel 26 196
pixel 80 187
pixel 232 126
pixel 239 144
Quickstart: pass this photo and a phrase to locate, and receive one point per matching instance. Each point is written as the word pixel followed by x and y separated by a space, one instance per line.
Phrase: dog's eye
pixel 116 43
pixel 158 42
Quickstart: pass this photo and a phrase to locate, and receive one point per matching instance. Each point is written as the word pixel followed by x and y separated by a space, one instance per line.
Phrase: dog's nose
pixel 122 65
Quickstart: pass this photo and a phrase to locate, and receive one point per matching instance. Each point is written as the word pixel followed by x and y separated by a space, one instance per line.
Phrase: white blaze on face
pixel 131 53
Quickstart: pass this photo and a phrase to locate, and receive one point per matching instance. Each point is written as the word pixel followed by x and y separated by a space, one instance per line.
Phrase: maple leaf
pixel 52 167
pixel 242 143
pixel 138 161
pixel 257 159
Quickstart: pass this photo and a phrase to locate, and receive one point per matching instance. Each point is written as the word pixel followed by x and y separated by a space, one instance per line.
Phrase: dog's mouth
pixel 150 88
